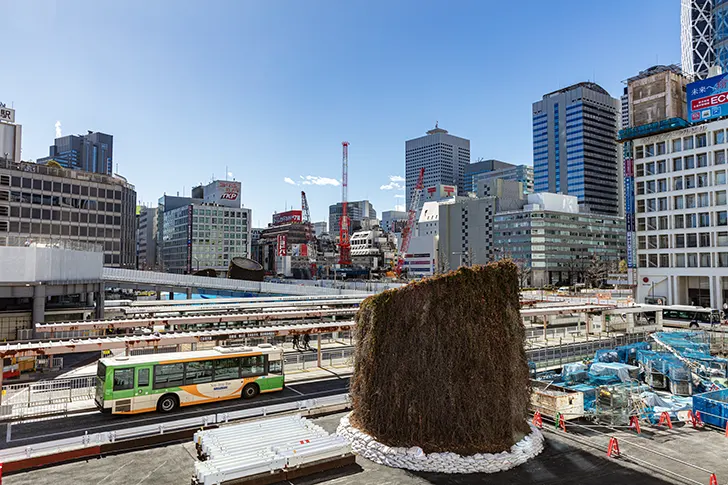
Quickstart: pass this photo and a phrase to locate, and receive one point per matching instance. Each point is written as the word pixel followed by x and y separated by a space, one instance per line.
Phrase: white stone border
pixel 417 460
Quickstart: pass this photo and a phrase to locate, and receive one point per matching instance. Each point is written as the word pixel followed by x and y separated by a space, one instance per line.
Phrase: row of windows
pixel 689 240
pixel 699 180
pixel 690 201
pixel 66 188
pixel 717 137
pixel 201 372
pixel 689 260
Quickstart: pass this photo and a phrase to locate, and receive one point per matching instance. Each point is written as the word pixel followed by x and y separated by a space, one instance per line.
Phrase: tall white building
pixel 681 213
pixel 697 32
pixel 443 156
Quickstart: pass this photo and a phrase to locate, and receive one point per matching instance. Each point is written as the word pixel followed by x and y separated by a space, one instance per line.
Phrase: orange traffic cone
pixel 665 420
pixel 613 447
pixel 634 423
pixel 537 420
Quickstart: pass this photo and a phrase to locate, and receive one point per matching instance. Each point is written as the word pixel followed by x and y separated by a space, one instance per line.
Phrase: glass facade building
pixel 575 149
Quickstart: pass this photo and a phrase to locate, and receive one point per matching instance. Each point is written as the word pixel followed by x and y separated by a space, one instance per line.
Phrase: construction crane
pixel 407 231
pixel 308 230
pixel 344 243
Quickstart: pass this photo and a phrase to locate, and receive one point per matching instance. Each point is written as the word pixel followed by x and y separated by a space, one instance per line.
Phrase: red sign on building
pixel 288 217
pixel 282 245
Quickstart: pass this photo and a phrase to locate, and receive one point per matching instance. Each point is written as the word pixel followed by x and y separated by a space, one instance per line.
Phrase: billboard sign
pixel 439 192
pixel 228 190
pixel 7 114
pixel 189 239
pixel 282 241
pixel 288 217
pixel 629 204
pixel 708 99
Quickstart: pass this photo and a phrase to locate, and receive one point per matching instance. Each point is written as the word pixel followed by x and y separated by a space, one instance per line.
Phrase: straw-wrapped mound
pixel 440 364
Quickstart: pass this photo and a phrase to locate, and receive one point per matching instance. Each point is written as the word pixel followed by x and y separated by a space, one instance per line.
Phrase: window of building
pixel 677 164
pixel 650 168
pixel 704 239
pixel 678 202
pixel 660 147
pixel 639 152
pixel 722 217
pixel 680 260
pixel 702 180
pixel 651 223
pixel 640 170
pixel 705 260
pixel 651 242
pixel 690 201
pixel 719 157
pixel 691 220
pixel 720 197
pixel 703 199
pixel 692 240
pixel 690 181
pixel 722 239
pixel 649 150
pixel 640 188
pixel 663 241
pixel 718 137
pixel 677 145
pixel 720 177
pixel 651 205
pixel 662 223
pixel 679 240
pixel 640 206
pixel 662 185
pixel 688 143
pixel 650 187
pixel 642 260
pixel 641 242
pixel 661 166
pixel 702 160
pixel 679 221
pixel 664 260
pixel 701 140
pixel 689 162
pixel 641 224
pixel 677 183
pixel 692 260
pixel 662 204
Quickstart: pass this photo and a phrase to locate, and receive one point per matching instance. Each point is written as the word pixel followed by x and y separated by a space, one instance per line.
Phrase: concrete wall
pixel 41 264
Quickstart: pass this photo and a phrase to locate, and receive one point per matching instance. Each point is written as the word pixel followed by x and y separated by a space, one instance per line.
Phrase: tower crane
pixel 407 231
pixel 344 223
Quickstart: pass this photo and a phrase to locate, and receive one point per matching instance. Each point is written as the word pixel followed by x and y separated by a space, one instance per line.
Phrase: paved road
pixel 94 422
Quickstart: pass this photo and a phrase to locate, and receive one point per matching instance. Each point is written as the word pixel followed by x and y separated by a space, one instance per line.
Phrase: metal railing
pixel 86 439
pixel 565 353
pixel 48 242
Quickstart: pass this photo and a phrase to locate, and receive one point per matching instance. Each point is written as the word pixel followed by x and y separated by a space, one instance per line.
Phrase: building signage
pixel 289 217
pixel 228 190
pixel 629 204
pixel 282 240
pixel 708 99
pixel 189 239
pixel 439 192
pixel 7 114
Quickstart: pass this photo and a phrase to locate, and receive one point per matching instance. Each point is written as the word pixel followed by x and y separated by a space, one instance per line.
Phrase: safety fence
pixel 566 352
pixel 95 444
pixel 611 441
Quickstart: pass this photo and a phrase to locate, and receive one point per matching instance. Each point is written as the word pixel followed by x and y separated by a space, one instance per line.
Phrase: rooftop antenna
pixel 436 123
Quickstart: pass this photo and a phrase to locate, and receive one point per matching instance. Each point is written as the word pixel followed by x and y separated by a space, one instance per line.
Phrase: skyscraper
pixel 574 146
pixel 697 36
pixel 92 152
pixel 443 156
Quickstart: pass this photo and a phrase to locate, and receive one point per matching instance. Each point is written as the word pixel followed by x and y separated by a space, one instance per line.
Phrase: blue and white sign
pixel 708 99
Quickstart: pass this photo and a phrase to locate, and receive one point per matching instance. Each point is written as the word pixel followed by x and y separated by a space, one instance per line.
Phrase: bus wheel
pixel 250 391
pixel 168 403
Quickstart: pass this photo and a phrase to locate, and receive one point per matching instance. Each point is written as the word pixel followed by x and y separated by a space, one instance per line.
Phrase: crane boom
pixel 407 232
pixel 344 236
pixel 307 227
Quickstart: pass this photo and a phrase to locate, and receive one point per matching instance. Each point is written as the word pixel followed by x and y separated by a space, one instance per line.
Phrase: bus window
pixel 275 367
pixel 101 372
pixel 227 369
pixel 142 377
pixel 253 366
pixel 168 375
pixel 123 379
pixel 198 372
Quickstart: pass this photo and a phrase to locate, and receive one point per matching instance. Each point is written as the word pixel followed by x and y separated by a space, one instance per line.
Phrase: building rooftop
pixel 588 85
pixel 651 71
pixel 58 171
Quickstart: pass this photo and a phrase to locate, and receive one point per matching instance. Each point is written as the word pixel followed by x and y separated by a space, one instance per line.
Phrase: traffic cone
pixel 537 420
pixel 695 419
pixel 613 447
pixel 713 479
pixel 634 423
pixel 665 420
pixel 562 422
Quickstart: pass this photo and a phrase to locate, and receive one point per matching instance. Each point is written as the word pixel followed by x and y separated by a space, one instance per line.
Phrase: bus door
pixel 144 399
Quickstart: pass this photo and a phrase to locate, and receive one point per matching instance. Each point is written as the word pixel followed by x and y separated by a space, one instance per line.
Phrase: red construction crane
pixel 344 245
pixel 407 231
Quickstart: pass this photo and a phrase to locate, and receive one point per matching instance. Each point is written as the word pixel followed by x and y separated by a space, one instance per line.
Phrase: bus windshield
pixel 101 372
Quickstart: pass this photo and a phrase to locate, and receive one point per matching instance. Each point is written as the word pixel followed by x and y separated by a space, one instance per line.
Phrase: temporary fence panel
pixel 713 407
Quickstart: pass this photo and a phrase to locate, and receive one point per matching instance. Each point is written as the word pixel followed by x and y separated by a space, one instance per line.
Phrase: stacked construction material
pixel 262 447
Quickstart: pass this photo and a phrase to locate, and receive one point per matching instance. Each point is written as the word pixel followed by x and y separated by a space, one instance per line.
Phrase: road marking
pixel 150 473
pixel 103 480
pixel 297 392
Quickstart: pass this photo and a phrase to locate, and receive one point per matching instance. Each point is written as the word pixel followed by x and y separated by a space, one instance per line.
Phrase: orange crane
pixel 407 231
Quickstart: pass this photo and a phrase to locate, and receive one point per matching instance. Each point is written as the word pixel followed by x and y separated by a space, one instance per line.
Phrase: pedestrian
pixel 306 340
pixel 295 342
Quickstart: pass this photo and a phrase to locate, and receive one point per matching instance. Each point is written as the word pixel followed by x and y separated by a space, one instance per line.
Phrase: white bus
pixel 685 316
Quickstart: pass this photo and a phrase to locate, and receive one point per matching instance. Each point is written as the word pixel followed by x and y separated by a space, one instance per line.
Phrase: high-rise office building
pixel 146 238
pixel 443 156
pixel 92 152
pixel 358 211
pixel 51 204
pixel 698 36
pixel 516 173
pixel 472 170
pixel 574 146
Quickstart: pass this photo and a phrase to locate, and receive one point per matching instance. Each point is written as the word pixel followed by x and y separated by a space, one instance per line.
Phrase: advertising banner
pixel 228 190
pixel 629 203
pixel 7 114
pixel 289 217
pixel 708 99
pixel 282 241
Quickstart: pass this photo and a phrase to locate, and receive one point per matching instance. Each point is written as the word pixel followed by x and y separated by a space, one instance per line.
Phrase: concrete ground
pixel 563 461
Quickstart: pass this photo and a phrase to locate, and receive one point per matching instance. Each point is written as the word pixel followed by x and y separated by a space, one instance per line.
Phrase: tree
pixel 623 266
pixel 524 273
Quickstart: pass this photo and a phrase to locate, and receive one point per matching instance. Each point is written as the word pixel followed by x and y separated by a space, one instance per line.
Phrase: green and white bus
pixel 164 382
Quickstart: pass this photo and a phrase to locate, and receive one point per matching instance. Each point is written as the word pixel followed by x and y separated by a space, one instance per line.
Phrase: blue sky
pixel 269 89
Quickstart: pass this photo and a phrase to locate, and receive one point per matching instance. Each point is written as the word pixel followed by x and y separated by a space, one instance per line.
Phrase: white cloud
pixel 399 196
pixel 316 180
pixel 399 207
pixel 58 129
pixel 394 183
pixel 289 180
